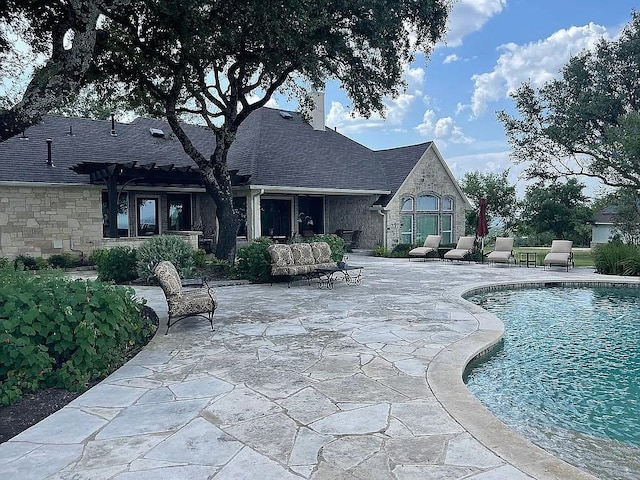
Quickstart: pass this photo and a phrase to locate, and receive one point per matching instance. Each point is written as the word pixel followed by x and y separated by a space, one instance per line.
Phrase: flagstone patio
pixel 359 382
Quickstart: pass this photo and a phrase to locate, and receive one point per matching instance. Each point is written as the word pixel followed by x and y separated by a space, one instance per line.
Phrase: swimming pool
pixel 567 373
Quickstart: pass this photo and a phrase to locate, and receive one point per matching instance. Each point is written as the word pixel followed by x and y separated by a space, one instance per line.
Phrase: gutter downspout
pixel 256 220
pixel 383 212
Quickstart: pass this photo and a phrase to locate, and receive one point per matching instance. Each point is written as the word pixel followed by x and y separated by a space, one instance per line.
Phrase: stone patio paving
pixel 301 383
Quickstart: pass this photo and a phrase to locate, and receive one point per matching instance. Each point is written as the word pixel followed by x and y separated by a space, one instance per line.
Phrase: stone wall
pixel 354 213
pixel 428 177
pixel 45 220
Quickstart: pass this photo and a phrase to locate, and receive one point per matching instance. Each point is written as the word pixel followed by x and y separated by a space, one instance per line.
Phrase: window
pixel 427 203
pixel 123 214
pixel 240 206
pixel 148 216
pixel 427 218
pixel 179 211
pixel 406 229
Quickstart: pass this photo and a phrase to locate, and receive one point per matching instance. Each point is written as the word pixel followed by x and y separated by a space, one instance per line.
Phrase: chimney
pixel 49 159
pixel 113 126
pixel 317 114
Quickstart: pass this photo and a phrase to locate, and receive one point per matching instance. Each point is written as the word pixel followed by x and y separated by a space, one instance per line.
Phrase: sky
pixel 492 47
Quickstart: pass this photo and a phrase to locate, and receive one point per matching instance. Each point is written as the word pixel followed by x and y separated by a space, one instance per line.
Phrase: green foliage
pixel 254 261
pixel 64 260
pixel 164 247
pixel 590 112
pixel 61 333
pixel 380 251
pixel 4 263
pixel 500 195
pixel 116 264
pixel 199 258
pixel 402 250
pixel 25 262
pixel 556 211
pixel 617 258
pixel 335 242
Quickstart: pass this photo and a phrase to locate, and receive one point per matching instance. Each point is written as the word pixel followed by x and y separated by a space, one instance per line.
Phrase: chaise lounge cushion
pixel 431 244
pixel 503 250
pixel 462 250
pixel 560 254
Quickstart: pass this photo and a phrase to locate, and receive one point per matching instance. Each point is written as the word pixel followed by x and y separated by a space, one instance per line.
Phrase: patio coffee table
pixel 327 276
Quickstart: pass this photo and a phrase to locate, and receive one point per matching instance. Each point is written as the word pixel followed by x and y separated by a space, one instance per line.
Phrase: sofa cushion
pixel 302 254
pixel 280 256
pixel 321 252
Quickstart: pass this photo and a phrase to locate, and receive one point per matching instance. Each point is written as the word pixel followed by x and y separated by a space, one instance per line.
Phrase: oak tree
pixel 219 60
pixel 587 122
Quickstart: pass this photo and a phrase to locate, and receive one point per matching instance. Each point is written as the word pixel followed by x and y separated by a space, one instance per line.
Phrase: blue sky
pixel 491 48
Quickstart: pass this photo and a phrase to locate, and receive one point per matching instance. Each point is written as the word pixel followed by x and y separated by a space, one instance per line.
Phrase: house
pixel 76 184
pixel 603 226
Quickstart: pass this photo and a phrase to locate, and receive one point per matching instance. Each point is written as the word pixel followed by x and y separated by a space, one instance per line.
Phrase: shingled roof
pixel 272 149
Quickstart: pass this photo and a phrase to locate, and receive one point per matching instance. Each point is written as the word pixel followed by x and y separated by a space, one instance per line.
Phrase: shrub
pixel 64 260
pixel 4 263
pixel 164 247
pixel 617 258
pixel 25 262
pixel 380 251
pixel 335 242
pixel 62 333
pixel 199 258
pixel 116 264
pixel 402 250
pixel 254 262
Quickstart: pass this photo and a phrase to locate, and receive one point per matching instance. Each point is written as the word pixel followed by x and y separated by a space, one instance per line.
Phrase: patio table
pixel 328 275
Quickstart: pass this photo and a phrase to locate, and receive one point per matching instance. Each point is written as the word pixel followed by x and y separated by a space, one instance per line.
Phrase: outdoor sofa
pixel 299 259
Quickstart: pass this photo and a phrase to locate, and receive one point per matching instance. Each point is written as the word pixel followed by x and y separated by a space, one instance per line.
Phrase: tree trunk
pixel 218 185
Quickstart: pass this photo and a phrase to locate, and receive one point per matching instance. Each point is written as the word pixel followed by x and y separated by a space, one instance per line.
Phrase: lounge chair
pixel 430 246
pixel 560 254
pixel 502 252
pixel 183 303
pixel 463 249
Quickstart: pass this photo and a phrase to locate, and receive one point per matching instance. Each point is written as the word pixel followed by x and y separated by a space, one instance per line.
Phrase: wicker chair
pixel 191 302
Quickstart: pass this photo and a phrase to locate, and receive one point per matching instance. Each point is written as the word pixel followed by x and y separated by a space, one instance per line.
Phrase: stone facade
pixel 354 213
pixel 432 177
pixel 44 220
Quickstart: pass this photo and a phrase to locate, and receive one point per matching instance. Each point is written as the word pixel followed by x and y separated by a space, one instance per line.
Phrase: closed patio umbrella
pixel 482 229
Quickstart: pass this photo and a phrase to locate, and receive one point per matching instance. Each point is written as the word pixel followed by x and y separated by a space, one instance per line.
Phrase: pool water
pixel 567 373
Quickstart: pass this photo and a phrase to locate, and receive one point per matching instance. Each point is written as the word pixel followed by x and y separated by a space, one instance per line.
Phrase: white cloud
pixel 451 58
pixel 395 108
pixel 537 62
pixel 414 77
pixel 443 129
pixel 468 16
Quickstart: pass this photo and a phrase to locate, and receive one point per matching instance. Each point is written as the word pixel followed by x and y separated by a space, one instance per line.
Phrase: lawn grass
pixel 582 257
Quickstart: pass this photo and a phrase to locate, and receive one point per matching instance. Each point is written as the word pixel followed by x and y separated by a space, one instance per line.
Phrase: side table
pixel 528 258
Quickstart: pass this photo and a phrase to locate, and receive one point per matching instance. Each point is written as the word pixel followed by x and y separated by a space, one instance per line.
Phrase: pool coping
pixel 445 373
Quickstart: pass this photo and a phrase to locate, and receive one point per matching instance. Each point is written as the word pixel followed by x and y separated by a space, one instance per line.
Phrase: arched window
pixel 428 215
